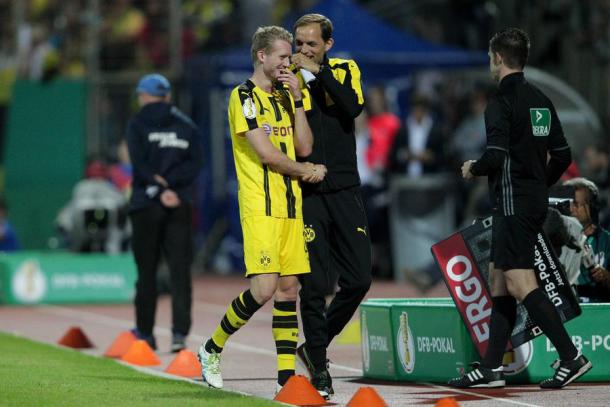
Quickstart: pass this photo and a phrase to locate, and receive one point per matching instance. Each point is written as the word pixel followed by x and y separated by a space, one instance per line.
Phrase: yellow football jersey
pixel 263 191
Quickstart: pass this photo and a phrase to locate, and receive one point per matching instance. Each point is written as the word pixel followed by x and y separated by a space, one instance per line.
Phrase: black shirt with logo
pixel 162 140
pixel 526 149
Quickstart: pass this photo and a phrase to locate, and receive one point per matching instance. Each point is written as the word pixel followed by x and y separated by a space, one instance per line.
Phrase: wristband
pixel 298 103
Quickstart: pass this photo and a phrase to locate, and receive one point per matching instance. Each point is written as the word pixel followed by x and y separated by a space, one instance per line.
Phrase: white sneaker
pixel 210 367
pixel 278 388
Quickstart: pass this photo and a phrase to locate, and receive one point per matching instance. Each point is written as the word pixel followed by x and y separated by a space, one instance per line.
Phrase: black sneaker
pixel 480 376
pixel 305 361
pixel 566 372
pixel 323 383
pixel 178 342
pixel 150 339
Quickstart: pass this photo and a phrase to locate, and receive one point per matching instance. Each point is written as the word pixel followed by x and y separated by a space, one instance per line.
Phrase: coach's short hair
pixel 326 26
pixel 513 45
pixel 264 37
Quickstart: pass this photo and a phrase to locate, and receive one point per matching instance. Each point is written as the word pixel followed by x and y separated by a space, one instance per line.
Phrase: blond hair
pixel 264 38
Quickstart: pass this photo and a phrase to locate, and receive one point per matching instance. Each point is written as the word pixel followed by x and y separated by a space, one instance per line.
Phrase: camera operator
pixel 593 284
pixel 564 233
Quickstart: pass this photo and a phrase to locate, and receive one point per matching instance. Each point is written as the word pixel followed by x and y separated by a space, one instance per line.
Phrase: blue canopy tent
pixel 381 51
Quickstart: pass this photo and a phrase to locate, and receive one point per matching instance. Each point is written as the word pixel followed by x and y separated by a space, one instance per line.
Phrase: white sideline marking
pixel 469 393
pixel 166 332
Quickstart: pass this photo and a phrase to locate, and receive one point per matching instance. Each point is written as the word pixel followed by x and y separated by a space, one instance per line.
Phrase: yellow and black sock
pixel 238 313
pixel 285 334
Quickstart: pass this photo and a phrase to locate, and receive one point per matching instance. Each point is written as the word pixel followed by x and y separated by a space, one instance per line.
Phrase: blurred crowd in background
pixel 443 126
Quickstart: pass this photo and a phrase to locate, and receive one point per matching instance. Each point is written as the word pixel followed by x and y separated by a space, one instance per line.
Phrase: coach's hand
pixel 466 173
pixel 304 62
pixel 316 174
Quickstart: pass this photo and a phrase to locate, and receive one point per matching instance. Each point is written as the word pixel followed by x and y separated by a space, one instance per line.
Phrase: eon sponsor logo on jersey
pixel 467 288
pixel 404 340
pixel 541 121
pixel 281 131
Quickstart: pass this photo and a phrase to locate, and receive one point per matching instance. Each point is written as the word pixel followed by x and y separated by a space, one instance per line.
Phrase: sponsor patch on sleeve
pixel 249 108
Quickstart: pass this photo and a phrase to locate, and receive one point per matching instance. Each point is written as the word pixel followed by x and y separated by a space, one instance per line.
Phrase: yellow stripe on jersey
pixel 263 191
pixel 347 70
pixel 343 70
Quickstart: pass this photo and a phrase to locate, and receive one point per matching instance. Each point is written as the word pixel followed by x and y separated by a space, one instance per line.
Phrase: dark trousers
pixel 340 249
pixel 158 230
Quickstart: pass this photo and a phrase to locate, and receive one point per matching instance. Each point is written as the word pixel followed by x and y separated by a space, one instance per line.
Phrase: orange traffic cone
pixel 185 364
pixel 75 338
pixel 299 392
pixel 121 345
pixel 140 353
pixel 366 397
pixel 447 402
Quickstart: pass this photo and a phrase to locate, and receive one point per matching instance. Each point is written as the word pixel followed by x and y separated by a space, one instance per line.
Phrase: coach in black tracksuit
pixel 334 216
pixel 165 151
pixel 526 153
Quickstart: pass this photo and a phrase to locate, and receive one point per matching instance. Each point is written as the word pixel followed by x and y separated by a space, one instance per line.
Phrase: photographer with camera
pixel 593 284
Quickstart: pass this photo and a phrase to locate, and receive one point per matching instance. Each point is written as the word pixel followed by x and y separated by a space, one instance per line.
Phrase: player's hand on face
pixel 302 61
pixel 288 78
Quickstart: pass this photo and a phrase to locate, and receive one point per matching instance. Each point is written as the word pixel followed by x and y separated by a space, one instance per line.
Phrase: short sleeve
pixel 243 112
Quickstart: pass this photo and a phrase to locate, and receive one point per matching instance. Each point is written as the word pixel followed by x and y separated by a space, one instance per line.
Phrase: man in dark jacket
pixel 526 153
pixel 336 228
pixel 165 151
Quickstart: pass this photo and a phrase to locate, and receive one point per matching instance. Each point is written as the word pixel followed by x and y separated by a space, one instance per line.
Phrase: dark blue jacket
pixel 162 140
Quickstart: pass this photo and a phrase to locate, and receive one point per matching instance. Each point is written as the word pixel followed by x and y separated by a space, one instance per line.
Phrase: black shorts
pixel 513 239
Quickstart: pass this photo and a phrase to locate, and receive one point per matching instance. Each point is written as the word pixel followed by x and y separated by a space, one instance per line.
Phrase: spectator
pixel 165 149
pixel 418 148
pixel 593 284
pixel 121 172
pixel 8 238
pixel 383 127
pixel 469 140
pixel 121 27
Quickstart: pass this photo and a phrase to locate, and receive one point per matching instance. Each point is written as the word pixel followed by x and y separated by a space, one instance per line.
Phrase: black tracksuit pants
pixel 158 230
pixel 341 248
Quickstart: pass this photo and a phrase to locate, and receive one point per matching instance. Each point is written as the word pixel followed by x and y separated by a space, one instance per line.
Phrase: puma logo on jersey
pixel 363 230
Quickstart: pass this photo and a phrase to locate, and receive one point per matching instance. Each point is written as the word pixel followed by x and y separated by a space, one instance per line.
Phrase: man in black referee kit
pixel 335 222
pixel 522 130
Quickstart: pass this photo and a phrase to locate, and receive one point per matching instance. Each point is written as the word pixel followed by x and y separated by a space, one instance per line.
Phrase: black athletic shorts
pixel 513 239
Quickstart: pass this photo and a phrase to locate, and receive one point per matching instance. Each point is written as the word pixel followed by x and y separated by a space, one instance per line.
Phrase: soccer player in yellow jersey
pixel 268 130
